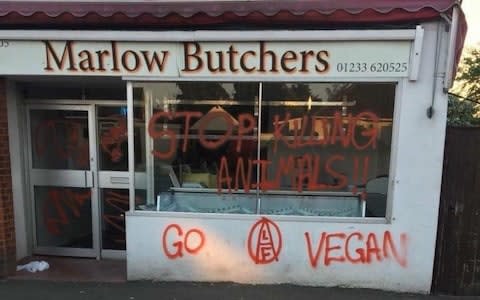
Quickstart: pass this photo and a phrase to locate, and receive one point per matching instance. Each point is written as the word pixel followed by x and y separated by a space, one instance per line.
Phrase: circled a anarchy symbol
pixel 264 241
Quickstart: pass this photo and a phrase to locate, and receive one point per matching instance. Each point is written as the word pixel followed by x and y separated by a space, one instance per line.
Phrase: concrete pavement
pixel 48 290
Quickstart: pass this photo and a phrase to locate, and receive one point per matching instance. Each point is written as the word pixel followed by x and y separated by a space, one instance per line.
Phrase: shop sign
pixel 207 59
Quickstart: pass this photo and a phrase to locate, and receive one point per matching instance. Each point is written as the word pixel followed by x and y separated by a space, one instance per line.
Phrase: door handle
pixel 119 180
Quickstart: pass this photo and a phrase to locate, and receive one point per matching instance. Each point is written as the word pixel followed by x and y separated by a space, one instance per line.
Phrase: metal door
pixel 62 169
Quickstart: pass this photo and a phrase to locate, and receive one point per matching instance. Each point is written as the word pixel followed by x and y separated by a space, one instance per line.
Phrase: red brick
pixel 7 225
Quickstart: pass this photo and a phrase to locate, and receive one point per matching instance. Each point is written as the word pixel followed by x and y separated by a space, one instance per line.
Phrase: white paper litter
pixel 34 266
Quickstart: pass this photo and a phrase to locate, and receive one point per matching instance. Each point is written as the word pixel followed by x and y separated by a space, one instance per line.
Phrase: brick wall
pixel 7 226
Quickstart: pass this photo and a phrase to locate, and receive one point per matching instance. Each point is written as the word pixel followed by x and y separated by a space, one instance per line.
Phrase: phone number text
pixel 379 67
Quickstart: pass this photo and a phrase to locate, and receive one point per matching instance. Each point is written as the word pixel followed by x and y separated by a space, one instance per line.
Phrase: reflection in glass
pixel 59 139
pixel 320 145
pixel 114 205
pixel 321 137
pixel 194 131
pixel 113 138
pixel 63 217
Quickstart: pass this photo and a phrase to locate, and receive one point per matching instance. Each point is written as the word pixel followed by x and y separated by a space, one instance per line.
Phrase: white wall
pixel 225 256
pixel 16 145
pixel 415 174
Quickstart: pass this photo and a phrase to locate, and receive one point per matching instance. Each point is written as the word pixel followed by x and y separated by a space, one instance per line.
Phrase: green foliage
pixel 465 112
pixel 469 75
pixel 461 112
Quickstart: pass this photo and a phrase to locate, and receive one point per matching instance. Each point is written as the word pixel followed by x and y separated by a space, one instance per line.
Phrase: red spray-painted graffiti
pixel 264 241
pixel 64 137
pixel 112 139
pixel 353 248
pixel 304 171
pixel 192 242
pixel 115 204
pixel 63 202
pixel 338 134
pixel 120 204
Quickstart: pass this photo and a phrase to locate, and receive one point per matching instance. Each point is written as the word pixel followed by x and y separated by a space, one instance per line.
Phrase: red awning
pixel 170 13
pixel 191 15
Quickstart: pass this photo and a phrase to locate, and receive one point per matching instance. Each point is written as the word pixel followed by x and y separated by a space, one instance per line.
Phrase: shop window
pixel 311 149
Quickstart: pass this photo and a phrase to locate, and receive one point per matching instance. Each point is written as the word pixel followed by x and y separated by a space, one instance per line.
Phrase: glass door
pixel 62 167
pixel 113 177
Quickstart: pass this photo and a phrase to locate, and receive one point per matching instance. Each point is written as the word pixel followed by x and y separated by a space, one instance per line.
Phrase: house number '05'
pixel 4 44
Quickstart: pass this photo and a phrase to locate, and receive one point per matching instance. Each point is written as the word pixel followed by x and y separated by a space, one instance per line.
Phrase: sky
pixel 471 8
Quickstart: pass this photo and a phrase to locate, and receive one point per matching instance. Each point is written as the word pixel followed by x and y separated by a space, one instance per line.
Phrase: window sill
pixel 320 219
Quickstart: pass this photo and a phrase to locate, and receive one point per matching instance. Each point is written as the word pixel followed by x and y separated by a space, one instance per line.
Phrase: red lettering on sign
pixel 339 133
pixel 337 248
pixel 264 183
pixel 188 118
pixel 115 206
pixel 264 241
pixel 372 248
pixel 306 131
pixel 240 174
pixel 314 257
pixel 112 139
pixel 285 168
pixel 155 134
pixel 359 251
pixel 328 249
pixel 310 130
pixel 205 121
pixel 170 134
pixel 223 175
pixel 246 124
pixel 339 178
pixel 192 242
pixel 370 133
pixel 303 172
pixel 277 130
pixel 307 171
pixel 313 184
pixel 389 245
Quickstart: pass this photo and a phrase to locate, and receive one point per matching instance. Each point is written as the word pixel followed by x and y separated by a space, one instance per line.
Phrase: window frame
pixel 397 82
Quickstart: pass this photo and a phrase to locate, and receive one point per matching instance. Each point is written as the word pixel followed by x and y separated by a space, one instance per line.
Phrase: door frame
pixel 103 184
pixel 92 130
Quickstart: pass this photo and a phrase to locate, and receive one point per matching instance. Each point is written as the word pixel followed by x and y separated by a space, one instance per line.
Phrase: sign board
pixel 207 59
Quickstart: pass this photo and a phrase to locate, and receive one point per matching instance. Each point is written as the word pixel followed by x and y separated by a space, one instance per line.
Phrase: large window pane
pixel 322 143
pixel 198 137
pixel 324 148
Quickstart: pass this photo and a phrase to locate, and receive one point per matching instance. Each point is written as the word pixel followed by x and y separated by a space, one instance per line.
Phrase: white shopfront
pixel 304 157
